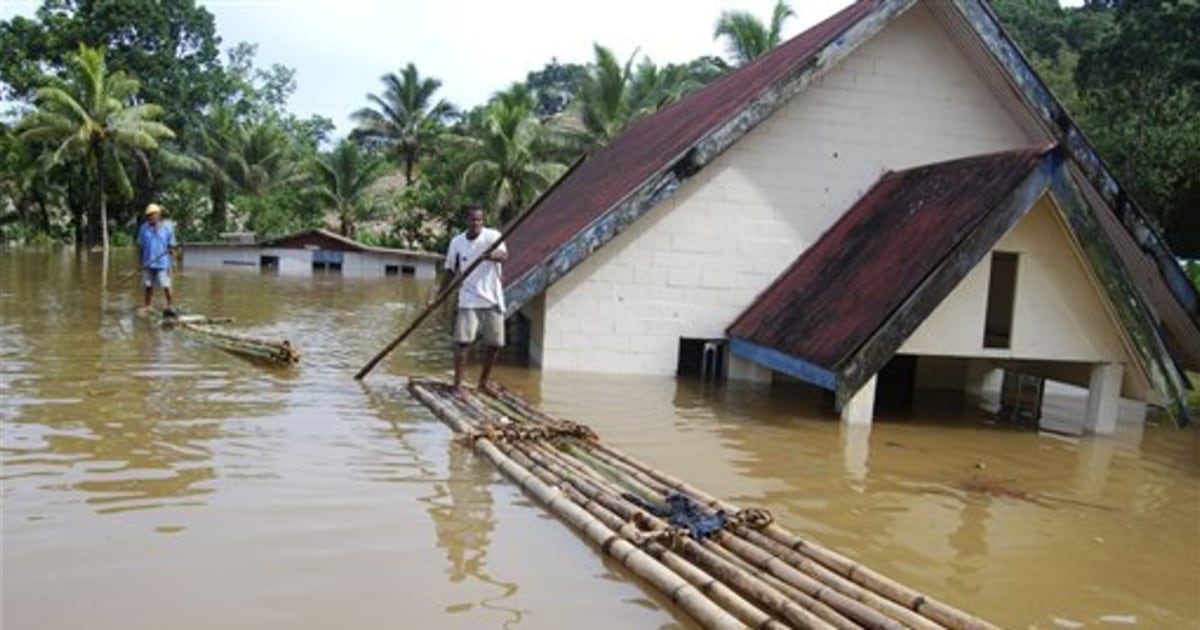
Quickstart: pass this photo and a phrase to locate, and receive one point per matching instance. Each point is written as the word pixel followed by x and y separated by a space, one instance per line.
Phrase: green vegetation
pixel 1129 72
pixel 123 102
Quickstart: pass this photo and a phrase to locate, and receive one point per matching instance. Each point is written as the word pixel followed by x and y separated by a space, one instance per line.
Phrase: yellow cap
pixel 153 209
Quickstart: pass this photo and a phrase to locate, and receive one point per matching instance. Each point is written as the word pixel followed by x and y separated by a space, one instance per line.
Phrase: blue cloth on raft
pixel 681 511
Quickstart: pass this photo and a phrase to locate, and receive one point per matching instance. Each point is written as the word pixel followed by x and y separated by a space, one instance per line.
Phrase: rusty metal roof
pixel 656 142
pixel 644 165
pixel 318 238
pixel 844 287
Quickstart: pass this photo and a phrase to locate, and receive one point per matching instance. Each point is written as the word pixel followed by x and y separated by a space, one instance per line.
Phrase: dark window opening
pixel 391 270
pixel 1001 297
pixel 896 384
pixel 1021 397
pixel 703 358
pixel 408 270
pixel 518 332
pixel 268 264
pixel 327 267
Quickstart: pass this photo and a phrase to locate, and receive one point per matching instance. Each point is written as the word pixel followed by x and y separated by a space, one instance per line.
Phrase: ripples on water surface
pixel 150 482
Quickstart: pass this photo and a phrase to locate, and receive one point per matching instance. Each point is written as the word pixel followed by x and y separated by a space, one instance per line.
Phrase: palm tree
pixel 601 109
pixel 342 179
pixel 268 160
pixel 93 117
pixel 24 182
pixel 612 95
pixel 510 163
pixel 748 37
pixel 218 161
pixel 406 120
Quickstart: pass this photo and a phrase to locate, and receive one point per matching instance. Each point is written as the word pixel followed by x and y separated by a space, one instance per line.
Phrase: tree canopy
pixel 211 135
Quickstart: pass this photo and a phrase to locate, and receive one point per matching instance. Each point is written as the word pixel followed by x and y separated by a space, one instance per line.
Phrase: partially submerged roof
pixel 843 287
pixel 318 238
pixel 651 148
pixel 848 303
pixel 649 161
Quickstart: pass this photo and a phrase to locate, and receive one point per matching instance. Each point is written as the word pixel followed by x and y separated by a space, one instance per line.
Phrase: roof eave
pixel 1058 122
pixel 663 183
pixel 1128 305
pixel 859 366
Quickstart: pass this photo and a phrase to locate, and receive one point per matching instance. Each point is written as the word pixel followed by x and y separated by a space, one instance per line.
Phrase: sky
pixel 341 48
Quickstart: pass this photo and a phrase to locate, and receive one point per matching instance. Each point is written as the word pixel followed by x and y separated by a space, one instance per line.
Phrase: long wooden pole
pixel 450 288
pixel 142 268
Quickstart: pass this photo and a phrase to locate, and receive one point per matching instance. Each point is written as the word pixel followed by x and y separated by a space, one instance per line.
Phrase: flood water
pixel 150 482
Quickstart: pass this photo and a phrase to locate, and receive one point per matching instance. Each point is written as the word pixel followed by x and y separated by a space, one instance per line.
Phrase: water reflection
pixel 460 504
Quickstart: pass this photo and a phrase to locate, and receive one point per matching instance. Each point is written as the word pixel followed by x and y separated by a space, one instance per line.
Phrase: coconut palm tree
pixel 510 163
pixel 748 38
pixel 406 119
pixel 268 159
pixel 93 117
pixel 612 95
pixel 342 178
pixel 602 108
pixel 217 161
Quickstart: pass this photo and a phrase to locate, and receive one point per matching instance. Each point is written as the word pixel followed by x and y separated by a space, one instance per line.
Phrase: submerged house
pixel 310 252
pixel 892 194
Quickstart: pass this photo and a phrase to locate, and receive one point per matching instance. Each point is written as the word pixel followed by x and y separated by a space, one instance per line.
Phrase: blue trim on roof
pixel 786 363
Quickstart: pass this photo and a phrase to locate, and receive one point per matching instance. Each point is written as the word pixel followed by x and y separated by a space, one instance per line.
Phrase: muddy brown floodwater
pixel 150 482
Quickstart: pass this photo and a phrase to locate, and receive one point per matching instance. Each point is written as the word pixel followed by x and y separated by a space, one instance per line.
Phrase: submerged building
pixel 892 194
pixel 311 252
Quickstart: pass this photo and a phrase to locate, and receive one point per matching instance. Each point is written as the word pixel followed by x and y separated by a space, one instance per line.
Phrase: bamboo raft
pixel 744 572
pixel 210 331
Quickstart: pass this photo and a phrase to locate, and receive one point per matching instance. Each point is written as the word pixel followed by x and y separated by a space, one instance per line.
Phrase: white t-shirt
pixel 484 288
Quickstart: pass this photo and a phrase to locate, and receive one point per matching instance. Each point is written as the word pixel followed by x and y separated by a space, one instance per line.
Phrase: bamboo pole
pixel 817 607
pixel 740 580
pixel 868 594
pixel 812 583
pixel 926 606
pixel 570 475
pixel 682 593
pixel 279 351
pixel 710 586
pixel 813 570
pixel 126 276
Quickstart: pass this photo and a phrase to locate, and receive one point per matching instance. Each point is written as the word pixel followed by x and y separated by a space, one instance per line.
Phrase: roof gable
pixel 647 162
pixel 318 238
pixel 849 302
pixel 849 282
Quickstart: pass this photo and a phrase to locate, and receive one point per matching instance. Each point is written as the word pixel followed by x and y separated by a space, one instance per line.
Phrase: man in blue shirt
pixel 156 246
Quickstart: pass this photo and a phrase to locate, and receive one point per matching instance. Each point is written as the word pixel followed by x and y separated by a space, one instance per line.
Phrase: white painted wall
pixel 1059 313
pixel 691 265
pixel 298 262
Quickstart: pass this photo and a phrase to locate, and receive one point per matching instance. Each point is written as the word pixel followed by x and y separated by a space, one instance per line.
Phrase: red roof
pixel 844 287
pixel 656 143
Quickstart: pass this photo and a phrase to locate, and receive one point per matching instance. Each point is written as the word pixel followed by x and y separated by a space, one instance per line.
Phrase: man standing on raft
pixel 156 246
pixel 480 296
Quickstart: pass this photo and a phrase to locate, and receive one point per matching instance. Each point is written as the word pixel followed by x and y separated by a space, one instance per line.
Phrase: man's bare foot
pixel 488 388
pixel 459 392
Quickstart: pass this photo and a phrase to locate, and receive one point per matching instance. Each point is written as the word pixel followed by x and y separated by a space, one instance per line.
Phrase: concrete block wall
pixel 691 265
pixel 1059 312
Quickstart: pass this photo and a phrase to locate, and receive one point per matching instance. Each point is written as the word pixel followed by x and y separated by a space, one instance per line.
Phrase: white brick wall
pixel 1059 313
pixel 691 265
